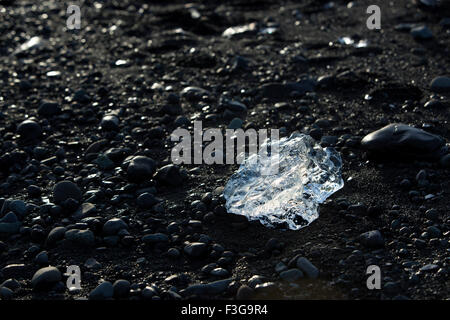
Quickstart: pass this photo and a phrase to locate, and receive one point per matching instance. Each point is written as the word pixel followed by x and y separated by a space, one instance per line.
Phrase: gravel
pixel 86 138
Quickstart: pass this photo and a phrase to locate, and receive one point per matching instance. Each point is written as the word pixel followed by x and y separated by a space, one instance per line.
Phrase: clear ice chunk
pixel 306 175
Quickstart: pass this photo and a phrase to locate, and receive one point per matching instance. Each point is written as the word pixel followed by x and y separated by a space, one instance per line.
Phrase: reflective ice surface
pixel 307 175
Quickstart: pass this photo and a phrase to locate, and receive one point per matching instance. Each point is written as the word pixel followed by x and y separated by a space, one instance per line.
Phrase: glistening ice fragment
pixel 306 175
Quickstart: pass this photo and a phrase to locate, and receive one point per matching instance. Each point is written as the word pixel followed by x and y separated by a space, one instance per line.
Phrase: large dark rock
pixel 80 237
pixel 440 84
pixel 9 228
pixel 110 122
pixel 244 293
pixel 29 130
pixel 48 108
pixel 307 267
pixel 372 239
pixel 169 175
pixel 141 168
pixel 46 277
pixel 155 238
pixel 146 200
pixel 211 288
pixel 64 190
pixel 103 291
pixel 9 224
pixel 398 139
pixel 96 146
pixel 113 226
pixel 291 275
pixel 196 249
pixel 121 288
pixel 55 235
